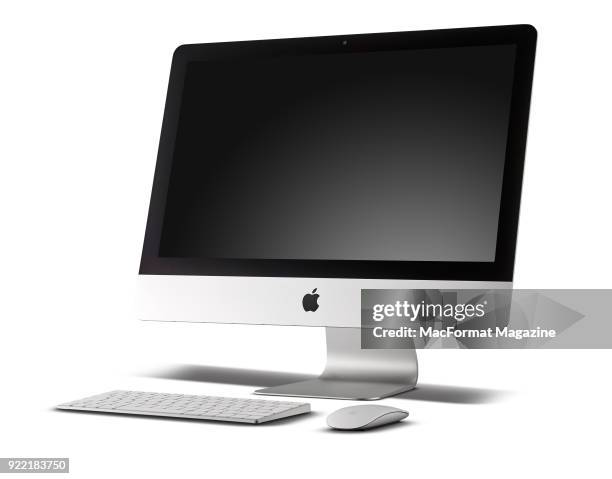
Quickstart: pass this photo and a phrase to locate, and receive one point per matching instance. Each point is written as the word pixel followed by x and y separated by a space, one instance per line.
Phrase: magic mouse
pixel 364 417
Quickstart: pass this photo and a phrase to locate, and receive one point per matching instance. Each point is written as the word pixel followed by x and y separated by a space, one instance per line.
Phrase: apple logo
pixel 310 301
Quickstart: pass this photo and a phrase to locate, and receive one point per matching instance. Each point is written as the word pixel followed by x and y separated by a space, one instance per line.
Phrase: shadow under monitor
pixel 261 378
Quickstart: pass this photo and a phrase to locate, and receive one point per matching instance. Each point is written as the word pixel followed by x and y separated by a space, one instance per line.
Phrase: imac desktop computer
pixel 294 173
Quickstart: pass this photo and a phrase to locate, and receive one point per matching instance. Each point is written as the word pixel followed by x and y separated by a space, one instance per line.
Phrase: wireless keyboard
pixel 210 408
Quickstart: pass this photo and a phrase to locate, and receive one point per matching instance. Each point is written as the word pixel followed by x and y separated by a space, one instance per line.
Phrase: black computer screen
pixel 389 155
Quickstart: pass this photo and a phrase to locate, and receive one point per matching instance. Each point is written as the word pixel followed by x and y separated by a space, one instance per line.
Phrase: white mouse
pixel 363 417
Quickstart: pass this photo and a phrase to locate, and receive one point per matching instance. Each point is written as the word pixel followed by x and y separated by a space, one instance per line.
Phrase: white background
pixel 82 89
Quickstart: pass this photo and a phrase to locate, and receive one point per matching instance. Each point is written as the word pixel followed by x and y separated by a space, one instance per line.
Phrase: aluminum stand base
pixel 355 373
